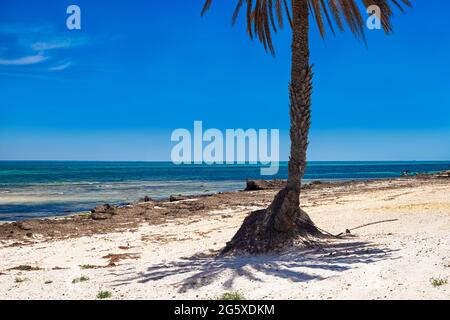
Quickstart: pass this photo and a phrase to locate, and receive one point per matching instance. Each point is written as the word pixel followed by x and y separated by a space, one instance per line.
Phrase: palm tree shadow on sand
pixel 204 269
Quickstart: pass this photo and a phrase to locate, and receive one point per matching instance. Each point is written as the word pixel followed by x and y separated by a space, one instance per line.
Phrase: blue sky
pixel 116 89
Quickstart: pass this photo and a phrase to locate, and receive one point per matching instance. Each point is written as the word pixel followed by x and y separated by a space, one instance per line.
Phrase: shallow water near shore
pixel 31 189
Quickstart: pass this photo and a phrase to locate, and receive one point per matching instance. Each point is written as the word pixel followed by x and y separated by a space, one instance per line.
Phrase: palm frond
pixel 265 17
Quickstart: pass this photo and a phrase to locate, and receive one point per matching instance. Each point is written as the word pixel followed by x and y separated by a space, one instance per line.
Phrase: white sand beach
pixel 177 259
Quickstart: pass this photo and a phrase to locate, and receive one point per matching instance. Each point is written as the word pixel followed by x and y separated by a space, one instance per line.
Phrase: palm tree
pixel 283 221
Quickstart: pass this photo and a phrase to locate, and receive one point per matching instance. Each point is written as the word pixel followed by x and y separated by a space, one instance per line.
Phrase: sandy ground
pixel 176 257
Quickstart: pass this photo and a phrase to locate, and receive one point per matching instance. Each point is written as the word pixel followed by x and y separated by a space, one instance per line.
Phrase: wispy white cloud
pixel 60 67
pixel 38 46
pixel 29 45
pixel 57 44
pixel 27 60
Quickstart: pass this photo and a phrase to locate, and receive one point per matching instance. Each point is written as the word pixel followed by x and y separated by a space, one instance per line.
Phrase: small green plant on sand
pixel 19 280
pixel 437 282
pixel 80 279
pixel 231 296
pixel 104 295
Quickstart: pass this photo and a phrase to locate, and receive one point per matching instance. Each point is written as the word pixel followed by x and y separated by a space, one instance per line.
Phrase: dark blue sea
pixel 41 189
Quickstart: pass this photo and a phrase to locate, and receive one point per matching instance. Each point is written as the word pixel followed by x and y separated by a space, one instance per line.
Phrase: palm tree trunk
pixel 283 221
pixel 300 94
pixel 287 203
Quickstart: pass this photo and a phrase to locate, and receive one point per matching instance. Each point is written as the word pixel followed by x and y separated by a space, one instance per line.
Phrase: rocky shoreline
pixel 109 218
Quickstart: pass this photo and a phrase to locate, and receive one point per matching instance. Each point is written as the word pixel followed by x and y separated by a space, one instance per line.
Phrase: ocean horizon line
pixel 258 164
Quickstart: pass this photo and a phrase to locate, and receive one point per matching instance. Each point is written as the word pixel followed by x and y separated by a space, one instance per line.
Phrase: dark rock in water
pixel 146 199
pixel 253 185
pixel 405 173
pixel 177 198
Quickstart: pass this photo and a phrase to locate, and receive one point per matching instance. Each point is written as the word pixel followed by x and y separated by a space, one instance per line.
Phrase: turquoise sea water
pixel 41 189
